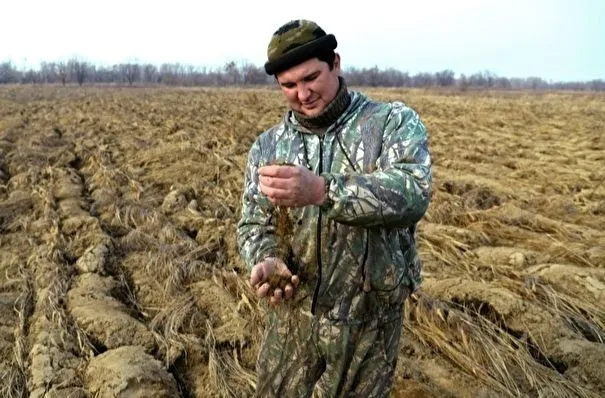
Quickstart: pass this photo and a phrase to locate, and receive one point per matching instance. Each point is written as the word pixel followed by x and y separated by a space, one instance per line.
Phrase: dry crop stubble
pixel 129 198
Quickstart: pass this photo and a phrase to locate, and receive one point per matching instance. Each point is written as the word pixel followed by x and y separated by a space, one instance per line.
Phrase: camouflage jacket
pixel 356 254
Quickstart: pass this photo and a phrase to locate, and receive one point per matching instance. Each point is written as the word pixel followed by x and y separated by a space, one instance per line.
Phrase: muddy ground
pixel 120 276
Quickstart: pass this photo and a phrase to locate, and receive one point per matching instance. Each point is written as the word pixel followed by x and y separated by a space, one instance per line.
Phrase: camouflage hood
pixel 357 252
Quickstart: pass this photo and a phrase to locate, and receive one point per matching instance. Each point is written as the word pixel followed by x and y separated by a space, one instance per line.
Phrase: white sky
pixel 556 39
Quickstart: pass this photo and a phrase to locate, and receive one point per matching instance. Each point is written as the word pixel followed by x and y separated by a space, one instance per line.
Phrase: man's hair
pixel 327 57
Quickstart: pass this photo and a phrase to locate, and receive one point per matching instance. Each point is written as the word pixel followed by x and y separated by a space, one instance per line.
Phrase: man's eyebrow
pixel 306 77
pixel 311 75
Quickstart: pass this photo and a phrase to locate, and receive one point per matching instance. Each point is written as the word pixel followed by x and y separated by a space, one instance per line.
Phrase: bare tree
pixel 130 71
pixel 105 74
pixel 80 69
pixel 31 76
pixel 502 83
pixel 463 82
pixel 445 78
pixel 48 72
pixel 150 73
pixel 168 74
pixel 423 79
pixel 192 74
pixel 8 73
pixel 253 75
pixel 536 83
pixel 232 74
pixel 63 70
pixel 597 84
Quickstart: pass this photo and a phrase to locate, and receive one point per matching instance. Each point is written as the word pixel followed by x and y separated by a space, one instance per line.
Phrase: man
pixel 354 176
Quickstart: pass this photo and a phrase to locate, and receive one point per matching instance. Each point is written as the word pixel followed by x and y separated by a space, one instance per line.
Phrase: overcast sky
pixel 554 39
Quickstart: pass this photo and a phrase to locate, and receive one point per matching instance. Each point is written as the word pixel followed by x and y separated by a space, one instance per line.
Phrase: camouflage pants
pixel 304 355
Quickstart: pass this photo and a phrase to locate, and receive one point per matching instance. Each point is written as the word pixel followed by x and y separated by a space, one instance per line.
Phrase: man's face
pixel 310 86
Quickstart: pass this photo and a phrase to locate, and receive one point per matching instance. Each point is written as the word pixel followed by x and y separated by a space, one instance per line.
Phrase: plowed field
pixel 119 274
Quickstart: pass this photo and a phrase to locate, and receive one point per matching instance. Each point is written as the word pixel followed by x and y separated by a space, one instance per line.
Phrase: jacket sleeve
pixel 255 230
pixel 398 193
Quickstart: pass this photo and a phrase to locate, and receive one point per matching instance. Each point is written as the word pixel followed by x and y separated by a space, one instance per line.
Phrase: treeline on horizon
pixel 77 71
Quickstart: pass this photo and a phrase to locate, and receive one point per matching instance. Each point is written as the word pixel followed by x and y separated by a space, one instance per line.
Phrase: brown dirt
pixel 106 320
pixel 120 275
pixel 129 372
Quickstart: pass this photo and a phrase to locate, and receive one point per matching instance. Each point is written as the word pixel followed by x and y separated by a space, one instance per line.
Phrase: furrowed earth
pixel 120 275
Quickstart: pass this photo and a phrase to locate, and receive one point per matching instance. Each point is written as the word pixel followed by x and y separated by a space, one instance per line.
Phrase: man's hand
pixel 291 186
pixel 273 268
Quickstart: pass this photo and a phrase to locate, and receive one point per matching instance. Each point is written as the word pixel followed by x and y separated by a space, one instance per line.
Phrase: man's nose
pixel 303 93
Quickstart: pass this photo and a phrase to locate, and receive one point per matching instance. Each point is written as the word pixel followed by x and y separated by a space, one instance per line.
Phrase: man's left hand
pixel 291 186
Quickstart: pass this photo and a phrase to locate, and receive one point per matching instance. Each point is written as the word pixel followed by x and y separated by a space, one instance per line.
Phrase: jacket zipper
pixel 318 235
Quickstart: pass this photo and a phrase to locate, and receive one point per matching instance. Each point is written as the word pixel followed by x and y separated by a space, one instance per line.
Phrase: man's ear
pixel 337 62
pixel 276 80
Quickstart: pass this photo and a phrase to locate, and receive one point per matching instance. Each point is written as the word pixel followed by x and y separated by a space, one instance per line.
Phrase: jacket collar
pixel 357 100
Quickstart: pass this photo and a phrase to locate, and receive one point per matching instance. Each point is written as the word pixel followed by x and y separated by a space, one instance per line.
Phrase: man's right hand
pixel 272 266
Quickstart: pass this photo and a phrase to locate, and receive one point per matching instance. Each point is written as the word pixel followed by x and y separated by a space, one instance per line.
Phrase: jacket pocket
pixel 386 260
